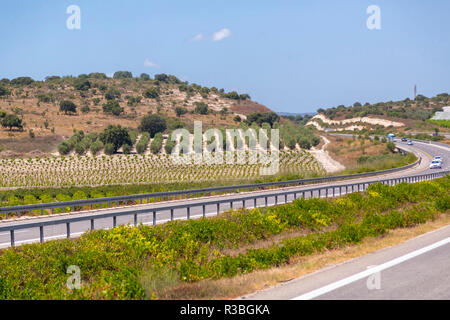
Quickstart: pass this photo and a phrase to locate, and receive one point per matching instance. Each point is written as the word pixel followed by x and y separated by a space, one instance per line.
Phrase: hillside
pixel 406 116
pixel 43 123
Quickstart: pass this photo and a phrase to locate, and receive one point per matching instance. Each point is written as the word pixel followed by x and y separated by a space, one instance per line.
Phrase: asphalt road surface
pixel 425 151
pixel 416 269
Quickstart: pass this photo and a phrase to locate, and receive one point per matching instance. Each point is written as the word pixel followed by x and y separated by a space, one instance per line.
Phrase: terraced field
pixel 135 169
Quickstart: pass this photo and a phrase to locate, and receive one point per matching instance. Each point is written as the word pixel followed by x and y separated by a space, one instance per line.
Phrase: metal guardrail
pixel 321 191
pixel 79 205
pixel 432 142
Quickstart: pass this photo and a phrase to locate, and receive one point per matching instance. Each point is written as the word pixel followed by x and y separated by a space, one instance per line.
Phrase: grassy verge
pixel 365 155
pixel 234 287
pixel 441 123
pixel 154 262
pixel 380 162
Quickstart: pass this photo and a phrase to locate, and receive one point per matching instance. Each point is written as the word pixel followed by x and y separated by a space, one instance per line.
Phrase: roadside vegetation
pixel 362 154
pixel 153 262
pixel 441 123
pixel 421 108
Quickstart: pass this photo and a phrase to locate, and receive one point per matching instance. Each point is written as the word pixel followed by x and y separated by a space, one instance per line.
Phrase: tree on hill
pixel 22 81
pixel 162 77
pixel 123 75
pixel 4 91
pixel 145 76
pixel 113 107
pixel 180 111
pixel 201 108
pixel 420 97
pixel 153 124
pixel 262 117
pixel 152 93
pixel 52 78
pixel 67 106
pixel 116 136
pixel 112 94
pixel 81 84
pixel 232 95
pixel 5 81
pixel 97 75
pixel 12 121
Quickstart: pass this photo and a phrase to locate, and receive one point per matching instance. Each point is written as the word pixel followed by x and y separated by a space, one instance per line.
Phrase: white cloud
pixel 221 34
pixel 149 64
pixel 198 37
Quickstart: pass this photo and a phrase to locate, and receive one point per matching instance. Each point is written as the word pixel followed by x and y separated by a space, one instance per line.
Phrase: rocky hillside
pixel 402 116
pixel 37 115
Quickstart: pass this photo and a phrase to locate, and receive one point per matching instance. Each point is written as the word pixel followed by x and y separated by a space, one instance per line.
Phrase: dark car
pixel 404 139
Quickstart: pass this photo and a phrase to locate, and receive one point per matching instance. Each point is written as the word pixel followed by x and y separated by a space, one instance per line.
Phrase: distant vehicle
pixel 438 158
pixel 410 143
pixel 391 137
pixel 404 139
pixel 436 165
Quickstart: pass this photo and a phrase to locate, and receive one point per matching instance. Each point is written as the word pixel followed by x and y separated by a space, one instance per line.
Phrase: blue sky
pixel 293 56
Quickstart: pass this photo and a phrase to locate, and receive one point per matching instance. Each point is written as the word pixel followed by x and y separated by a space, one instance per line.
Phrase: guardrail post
pixel 114 222
pixel 154 218
pixel 188 213
pixel 41 234
pixel 218 208
pixel 265 201
pixel 276 199
pixel 135 220
pixel 68 230
pixel 92 224
pixel 204 211
pixel 11 232
pixel 231 204
pixel 286 198
pixel 254 203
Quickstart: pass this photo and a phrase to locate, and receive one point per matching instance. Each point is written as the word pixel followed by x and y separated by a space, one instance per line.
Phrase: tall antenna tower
pixel 415 91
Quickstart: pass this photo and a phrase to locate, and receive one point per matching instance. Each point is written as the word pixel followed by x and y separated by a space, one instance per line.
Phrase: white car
pixel 435 164
pixel 438 158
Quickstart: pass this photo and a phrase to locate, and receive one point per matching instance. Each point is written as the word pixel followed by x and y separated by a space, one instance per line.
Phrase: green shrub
pixel 96 147
pixel 126 149
pixel 109 149
pixel 156 145
pixel 142 145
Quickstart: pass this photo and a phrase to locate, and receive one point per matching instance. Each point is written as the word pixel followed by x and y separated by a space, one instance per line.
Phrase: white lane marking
pixel 15 232
pixel 338 284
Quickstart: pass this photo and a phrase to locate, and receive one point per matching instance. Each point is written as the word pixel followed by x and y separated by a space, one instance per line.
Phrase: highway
pixel 416 269
pixel 423 150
